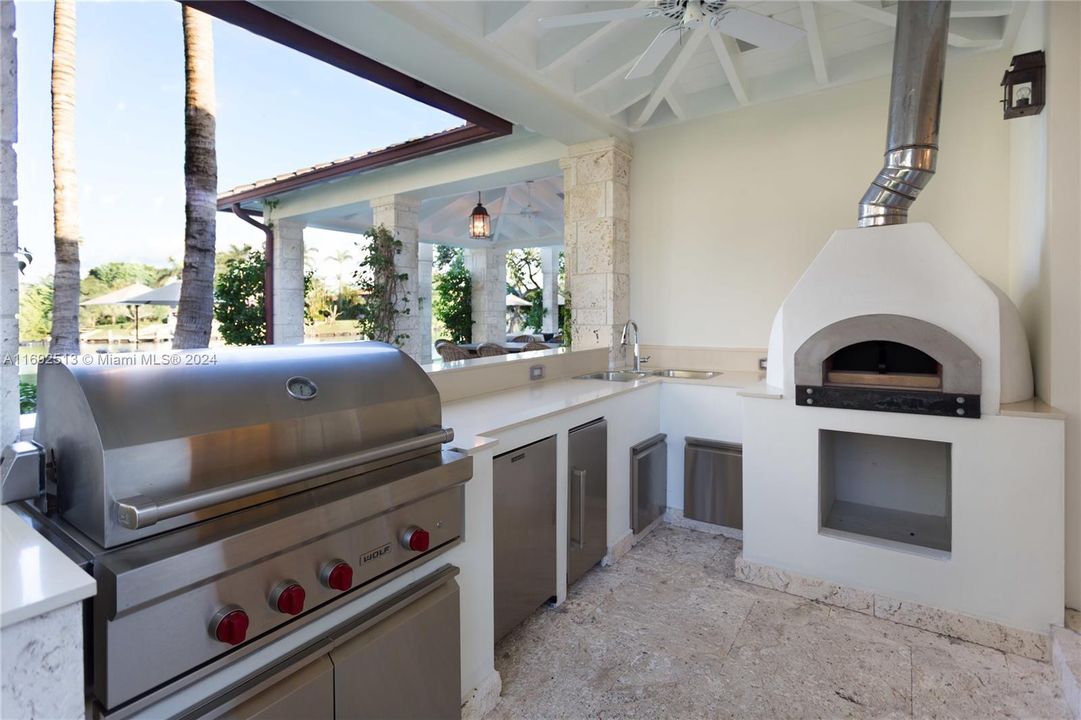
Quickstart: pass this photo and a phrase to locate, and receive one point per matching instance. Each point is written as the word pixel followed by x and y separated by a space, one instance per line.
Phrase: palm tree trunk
pixel 65 328
pixel 196 309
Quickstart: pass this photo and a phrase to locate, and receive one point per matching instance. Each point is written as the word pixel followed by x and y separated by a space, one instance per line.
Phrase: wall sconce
pixel 480 224
pixel 1023 86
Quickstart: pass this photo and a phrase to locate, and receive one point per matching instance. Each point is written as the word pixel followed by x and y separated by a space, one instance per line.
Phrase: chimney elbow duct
pixel 919 63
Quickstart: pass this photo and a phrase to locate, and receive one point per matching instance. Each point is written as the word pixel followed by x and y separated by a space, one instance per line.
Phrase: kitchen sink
pixel 687 374
pixel 615 375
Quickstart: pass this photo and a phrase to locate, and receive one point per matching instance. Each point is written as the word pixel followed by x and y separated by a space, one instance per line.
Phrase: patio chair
pixel 450 352
pixel 524 338
pixel 556 340
pixel 534 345
pixel 490 350
pixel 440 341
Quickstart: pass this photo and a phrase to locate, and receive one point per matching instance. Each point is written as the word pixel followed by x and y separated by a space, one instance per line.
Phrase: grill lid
pixel 193 423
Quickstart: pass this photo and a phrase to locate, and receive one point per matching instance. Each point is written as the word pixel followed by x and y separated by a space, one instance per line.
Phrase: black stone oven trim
pixel 917 402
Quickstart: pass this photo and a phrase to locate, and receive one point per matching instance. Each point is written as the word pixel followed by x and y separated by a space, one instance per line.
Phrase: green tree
pixel 524 280
pixel 114 275
pixel 239 297
pixel 452 294
pixel 35 310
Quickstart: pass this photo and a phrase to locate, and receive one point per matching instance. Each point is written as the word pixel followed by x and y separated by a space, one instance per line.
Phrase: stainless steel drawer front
pixel 407 666
pixel 649 482
pixel 713 482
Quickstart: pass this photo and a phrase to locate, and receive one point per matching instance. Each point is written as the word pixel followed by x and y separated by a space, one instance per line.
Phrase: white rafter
pixel 592 39
pixel 628 94
pixel 1013 22
pixel 728 55
pixel 615 59
pixel 671 75
pixel 677 102
pixel 814 41
pixel 888 18
pixel 499 17
pixel 616 73
pixel 500 214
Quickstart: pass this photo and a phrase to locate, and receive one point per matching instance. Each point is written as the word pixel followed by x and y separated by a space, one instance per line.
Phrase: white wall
pixel 1045 240
pixel 727 211
pixel 1064 247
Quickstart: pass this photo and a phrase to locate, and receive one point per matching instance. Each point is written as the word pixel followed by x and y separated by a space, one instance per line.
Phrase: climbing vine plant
pixel 382 287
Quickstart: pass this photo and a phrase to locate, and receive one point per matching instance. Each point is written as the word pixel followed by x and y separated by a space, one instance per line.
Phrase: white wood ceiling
pixel 524 214
pixel 846 41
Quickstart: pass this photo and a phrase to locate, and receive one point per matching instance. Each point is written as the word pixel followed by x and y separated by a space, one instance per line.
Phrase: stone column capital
pixel 403 202
pixel 598 146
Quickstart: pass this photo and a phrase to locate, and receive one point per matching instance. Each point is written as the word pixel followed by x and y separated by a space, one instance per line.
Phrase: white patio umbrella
pixel 165 295
pixel 122 296
pixel 515 301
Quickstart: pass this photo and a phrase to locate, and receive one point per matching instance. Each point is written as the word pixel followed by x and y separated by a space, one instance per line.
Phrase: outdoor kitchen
pixel 660 387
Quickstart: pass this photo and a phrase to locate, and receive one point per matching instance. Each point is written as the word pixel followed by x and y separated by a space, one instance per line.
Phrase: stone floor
pixel 668 632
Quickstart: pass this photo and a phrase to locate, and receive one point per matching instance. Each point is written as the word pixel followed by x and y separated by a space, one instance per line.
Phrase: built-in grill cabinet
pixel 225 498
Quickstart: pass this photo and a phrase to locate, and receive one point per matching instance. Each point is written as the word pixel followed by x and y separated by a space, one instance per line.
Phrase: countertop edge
pixel 27 557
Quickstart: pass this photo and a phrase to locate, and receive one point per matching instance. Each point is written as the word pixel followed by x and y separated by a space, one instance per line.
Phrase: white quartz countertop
pixel 476 418
pixel 35 577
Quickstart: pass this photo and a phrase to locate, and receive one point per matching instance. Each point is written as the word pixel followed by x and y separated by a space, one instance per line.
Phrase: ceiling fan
pixel 529 212
pixel 720 16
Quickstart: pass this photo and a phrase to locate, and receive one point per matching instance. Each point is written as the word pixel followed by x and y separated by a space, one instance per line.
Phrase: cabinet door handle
pixel 580 476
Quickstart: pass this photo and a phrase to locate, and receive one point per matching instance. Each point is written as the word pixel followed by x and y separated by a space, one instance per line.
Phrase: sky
pixel 278 110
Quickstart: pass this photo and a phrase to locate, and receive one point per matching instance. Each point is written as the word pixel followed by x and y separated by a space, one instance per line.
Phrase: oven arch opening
pixel 888 363
pixel 882 363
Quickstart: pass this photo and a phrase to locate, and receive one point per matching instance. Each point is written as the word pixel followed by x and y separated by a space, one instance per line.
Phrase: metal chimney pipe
pixel 919 61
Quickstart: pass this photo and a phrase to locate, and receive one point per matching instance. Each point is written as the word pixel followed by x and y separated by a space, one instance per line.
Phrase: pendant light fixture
pixel 480 223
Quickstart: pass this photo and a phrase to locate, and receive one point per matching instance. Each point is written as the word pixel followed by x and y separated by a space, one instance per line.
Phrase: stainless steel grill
pixel 223 499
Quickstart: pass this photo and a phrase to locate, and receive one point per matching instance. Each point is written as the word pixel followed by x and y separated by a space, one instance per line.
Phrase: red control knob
pixel 288 597
pixel 230 625
pixel 337 575
pixel 416 539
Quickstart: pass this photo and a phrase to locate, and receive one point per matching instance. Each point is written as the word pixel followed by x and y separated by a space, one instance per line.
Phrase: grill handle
pixel 139 511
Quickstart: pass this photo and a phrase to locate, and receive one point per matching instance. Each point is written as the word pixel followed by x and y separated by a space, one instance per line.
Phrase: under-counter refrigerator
pixel 524 505
pixel 587 497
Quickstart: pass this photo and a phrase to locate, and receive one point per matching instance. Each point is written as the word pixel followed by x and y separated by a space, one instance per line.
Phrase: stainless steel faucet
pixel 638 359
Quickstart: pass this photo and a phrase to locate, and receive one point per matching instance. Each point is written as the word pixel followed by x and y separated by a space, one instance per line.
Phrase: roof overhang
pixel 402 152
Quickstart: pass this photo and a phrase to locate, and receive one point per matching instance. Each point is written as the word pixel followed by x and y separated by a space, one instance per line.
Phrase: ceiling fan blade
pixel 765 32
pixel 657 51
pixel 586 18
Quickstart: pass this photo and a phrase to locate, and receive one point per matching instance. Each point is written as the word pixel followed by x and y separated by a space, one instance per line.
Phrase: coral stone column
pixel 596 210
pixel 424 300
pixel 9 231
pixel 488 268
pixel 550 288
pixel 401 215
pixel 288 294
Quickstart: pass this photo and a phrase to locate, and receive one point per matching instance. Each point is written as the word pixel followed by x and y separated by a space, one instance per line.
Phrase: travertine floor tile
pixel 667 632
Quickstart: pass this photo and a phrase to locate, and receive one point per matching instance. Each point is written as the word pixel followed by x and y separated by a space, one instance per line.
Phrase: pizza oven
pixel 889 363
